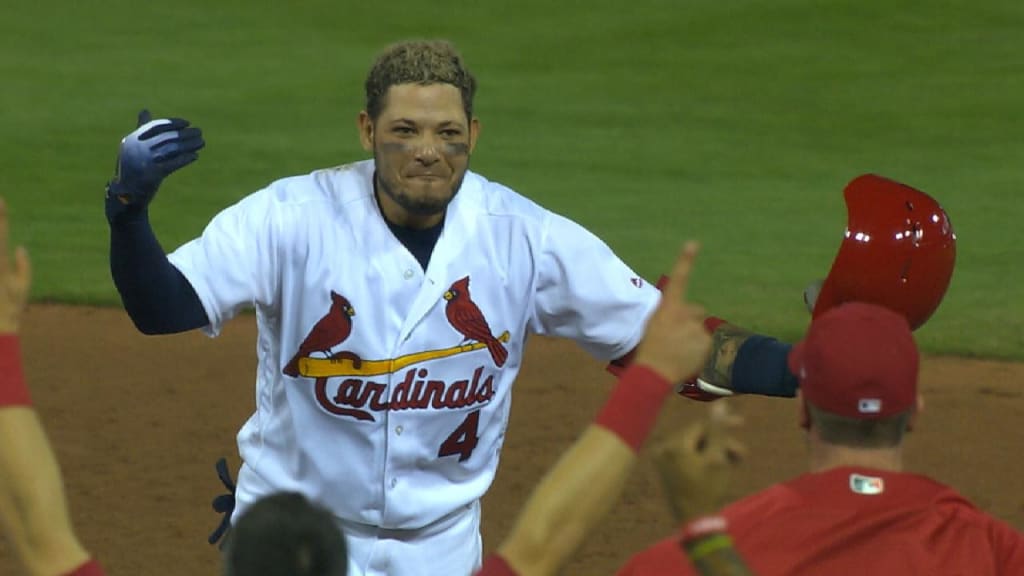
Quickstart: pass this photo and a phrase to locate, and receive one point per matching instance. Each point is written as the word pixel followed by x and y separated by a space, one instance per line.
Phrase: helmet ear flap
pixel 898 251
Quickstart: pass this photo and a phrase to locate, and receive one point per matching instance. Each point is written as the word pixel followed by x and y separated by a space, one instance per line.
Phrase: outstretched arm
pixel 156 295
pixel 33 509
pixel 740 362
pixel 32 503
pixel 590 476
pixel 582 487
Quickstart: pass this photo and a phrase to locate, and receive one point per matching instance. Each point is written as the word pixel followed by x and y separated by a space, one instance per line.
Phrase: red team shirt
pixel 856 521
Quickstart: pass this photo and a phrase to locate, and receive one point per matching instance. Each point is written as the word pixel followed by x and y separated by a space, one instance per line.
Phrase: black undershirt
pixel 419 242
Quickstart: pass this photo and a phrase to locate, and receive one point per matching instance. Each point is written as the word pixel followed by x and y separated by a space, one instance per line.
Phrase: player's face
pixel 421 144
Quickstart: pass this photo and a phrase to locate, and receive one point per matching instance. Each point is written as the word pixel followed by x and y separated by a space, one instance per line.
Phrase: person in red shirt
pixel 33 508
pixel 856 511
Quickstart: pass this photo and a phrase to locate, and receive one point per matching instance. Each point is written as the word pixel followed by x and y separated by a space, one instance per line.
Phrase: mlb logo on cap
pixel 869 405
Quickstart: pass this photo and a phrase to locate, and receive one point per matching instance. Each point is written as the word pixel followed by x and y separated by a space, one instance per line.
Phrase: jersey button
pixel 398 430
pixel 408 273
pixel 394 482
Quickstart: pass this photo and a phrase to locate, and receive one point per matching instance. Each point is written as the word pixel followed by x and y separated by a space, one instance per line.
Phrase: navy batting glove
pixel 148 155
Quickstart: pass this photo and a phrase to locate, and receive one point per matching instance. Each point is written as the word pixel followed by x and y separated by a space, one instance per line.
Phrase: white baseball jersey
pixel 383 390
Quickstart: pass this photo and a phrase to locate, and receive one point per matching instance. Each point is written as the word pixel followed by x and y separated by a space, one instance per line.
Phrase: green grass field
pixel 737 123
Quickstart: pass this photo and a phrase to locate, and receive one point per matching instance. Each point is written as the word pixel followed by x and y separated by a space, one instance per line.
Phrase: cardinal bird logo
pixel 327 333
pixel 465 316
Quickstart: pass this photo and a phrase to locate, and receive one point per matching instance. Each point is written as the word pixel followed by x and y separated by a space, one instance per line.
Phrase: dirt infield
pixel 139 421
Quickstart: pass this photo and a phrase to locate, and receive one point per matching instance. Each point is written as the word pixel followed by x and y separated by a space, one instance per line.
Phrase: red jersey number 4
pixel 463 440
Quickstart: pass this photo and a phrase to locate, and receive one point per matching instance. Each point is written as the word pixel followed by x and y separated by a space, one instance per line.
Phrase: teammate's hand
pixel 14 279
pixel 675 343
pixel 148 155
pixel 696 463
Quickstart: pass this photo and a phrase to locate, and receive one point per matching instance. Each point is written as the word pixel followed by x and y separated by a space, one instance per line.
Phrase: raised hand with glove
pixel 155 294
pixel 154 150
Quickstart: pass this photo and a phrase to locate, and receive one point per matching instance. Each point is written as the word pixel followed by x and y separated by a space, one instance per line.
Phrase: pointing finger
pixel 680 277
pixel 144 117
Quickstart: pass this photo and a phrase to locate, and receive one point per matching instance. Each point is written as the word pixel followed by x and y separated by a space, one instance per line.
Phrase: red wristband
pixel 90 568
pixel 632 408
pixel 495 565
pixel 12 378
pixel 703 527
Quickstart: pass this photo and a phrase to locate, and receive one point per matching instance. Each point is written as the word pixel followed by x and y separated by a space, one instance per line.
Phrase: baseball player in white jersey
pixel 393 299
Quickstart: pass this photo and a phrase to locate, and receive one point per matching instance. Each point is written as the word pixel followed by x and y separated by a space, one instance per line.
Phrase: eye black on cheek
pixel 456 148
pixel 394 146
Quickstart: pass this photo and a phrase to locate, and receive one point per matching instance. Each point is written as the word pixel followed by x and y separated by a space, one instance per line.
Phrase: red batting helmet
pixel 898 251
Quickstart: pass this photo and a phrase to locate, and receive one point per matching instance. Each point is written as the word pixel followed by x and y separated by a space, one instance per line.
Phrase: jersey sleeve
pixel 588 294
pixel 232 265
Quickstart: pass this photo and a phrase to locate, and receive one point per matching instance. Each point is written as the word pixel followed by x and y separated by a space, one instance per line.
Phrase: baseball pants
pixel 451 546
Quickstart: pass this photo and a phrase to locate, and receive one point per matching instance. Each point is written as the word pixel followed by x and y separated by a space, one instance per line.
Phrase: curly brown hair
pixel 418 62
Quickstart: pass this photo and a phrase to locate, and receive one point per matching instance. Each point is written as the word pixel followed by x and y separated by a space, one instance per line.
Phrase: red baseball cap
pixel 858 360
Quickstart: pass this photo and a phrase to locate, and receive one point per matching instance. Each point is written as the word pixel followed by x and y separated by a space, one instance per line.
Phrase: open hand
pixel 695 464
pixel 15 278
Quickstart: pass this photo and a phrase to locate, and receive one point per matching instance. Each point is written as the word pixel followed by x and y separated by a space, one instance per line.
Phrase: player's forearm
pixel 579 490
pixel 32 501
pixel 589 478
pixel 33 509
pixel 748 363
pixel 156 295
pixel 740 361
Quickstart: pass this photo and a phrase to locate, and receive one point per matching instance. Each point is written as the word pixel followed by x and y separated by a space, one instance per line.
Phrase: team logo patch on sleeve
pixel 866 485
